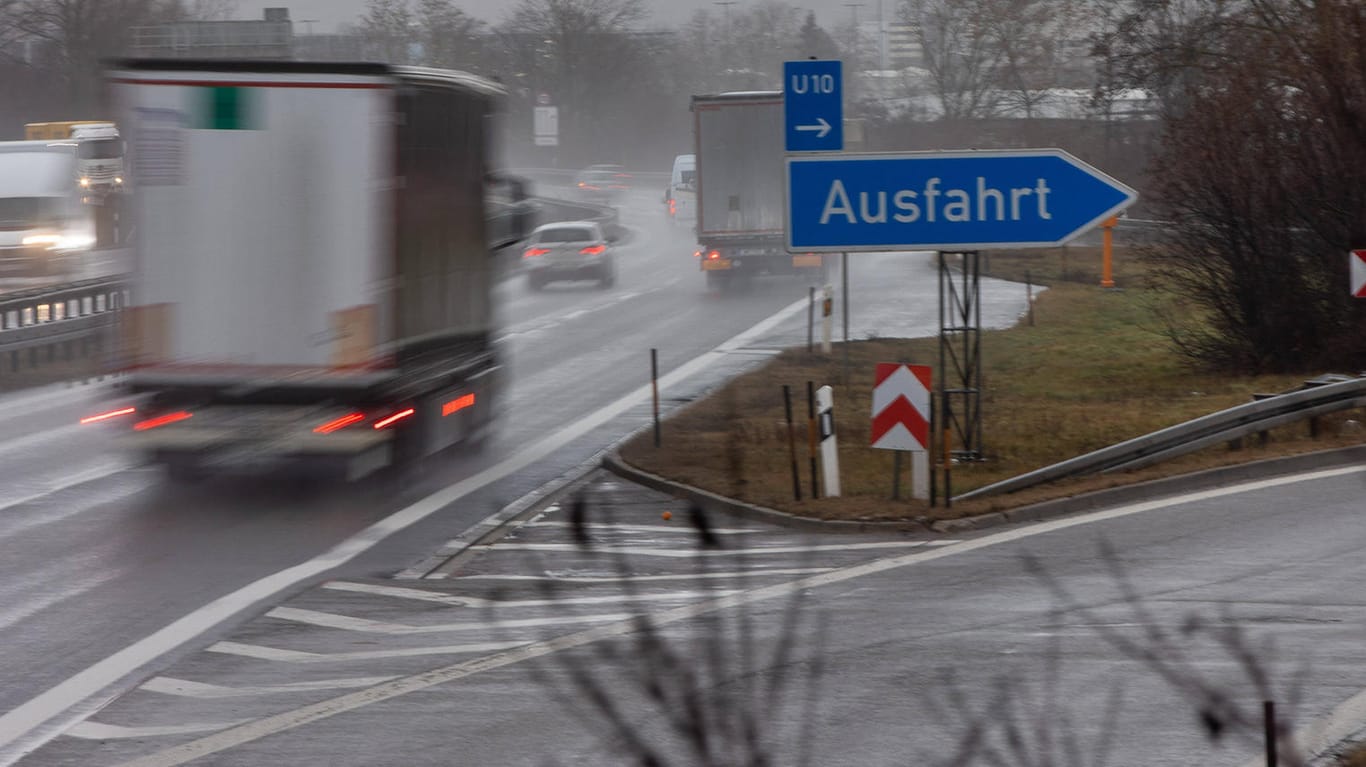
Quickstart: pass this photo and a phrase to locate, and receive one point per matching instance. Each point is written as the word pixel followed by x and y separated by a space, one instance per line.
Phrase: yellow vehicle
pixel 56 131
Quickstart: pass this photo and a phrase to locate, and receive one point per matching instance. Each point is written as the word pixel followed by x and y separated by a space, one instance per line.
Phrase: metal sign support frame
pixel 960 355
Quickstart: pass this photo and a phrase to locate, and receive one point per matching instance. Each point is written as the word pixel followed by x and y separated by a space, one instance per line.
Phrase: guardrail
pixel 65 330
pixel 1323 397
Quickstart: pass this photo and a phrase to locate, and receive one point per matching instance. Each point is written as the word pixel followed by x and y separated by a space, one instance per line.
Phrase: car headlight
pixel 85 183
pixel 45 240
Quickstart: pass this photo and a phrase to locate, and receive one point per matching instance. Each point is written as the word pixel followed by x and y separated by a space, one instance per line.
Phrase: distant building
pixel 890 45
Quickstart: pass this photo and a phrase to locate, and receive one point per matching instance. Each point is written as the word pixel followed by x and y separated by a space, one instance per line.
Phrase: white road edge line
pixel 288 720
pixel 749 551
pixel 97 731
pixel 40 719
pixel 261 652
pixel 370 626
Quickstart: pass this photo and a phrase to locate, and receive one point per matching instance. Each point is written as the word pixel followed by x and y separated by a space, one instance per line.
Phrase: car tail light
pixel 594 250
pixel 337 424
pixel 109 415
pixel 161 420
pixel 673 207
pixel 534 252
pixel 388 421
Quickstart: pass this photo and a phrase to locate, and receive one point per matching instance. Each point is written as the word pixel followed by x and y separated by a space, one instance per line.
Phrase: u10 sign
pixel 946 200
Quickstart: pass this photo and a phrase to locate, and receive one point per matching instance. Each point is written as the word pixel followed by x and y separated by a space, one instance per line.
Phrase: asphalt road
pixel 98 554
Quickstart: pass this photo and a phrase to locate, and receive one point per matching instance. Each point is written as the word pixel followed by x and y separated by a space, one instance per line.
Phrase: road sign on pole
pixel 901 418
pixel 1358 273
pixel 946 200
pixel 813 106
pixel 546 124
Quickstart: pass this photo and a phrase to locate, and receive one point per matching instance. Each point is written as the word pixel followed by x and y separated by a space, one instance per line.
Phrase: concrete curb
pixel 1037 512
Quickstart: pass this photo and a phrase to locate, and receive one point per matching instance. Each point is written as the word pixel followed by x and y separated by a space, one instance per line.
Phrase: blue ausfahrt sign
pixel 946 200
pixel 813 106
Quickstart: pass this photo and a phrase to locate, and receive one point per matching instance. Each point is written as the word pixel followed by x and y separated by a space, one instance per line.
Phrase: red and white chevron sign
pixel 901 406
pixel 1359 273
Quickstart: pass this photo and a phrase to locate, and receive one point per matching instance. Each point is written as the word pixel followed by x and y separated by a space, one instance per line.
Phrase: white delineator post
pixel 830 459
pixel 827 317
pixel 901 417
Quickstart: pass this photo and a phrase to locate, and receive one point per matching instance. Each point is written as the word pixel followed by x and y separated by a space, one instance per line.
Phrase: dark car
pixel 569 250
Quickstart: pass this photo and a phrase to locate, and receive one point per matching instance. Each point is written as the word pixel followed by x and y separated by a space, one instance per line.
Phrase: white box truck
pixel 314 276
pixel 44 228
pixel 740 200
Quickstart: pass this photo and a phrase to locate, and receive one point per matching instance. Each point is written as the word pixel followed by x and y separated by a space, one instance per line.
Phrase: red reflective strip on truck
pixel 161 420
pixel 107 416
pixel 339 423
pixel 396 417
pixel 457 404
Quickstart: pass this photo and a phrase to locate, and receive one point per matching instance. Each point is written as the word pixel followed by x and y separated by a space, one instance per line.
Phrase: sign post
pixel 827 317
pixel 830 456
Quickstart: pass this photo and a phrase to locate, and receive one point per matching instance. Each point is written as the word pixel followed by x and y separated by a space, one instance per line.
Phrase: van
pixel 680 196
pixel 43 223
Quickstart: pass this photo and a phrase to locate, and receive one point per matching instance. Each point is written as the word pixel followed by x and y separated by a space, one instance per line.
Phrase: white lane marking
pixel 369 626
pixel 684 528
pixel 24 721
pixel 501 604
pixel 26 404
pixel 288 720
pixel 104 469
pixel 97 731
pixel 749 573
pixel 548 322
pixel 646 551
pixel 184 688
pixel 261 652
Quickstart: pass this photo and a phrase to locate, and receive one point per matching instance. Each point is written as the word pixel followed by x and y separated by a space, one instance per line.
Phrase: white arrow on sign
pixel 823 127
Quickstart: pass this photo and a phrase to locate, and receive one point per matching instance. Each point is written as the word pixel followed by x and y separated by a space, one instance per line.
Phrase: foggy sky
pixel 327 15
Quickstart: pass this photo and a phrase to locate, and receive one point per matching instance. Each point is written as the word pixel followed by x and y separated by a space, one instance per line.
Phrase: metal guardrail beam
pixel 1224 426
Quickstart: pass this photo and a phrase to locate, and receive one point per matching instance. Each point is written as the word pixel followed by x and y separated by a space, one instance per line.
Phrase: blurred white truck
pixel 314 283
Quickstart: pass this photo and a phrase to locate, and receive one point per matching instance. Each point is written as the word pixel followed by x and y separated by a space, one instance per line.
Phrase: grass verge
pixel 1093 369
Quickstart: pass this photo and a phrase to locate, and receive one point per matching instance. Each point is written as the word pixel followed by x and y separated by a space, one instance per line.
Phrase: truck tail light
pixel 697 254
pixel 336 424
pixel 534 252
pixel 673 207
pixel 594 250
pixel 715 254
pixel 390 420
pixel 107 416
pixel 161 420
pixel 457 404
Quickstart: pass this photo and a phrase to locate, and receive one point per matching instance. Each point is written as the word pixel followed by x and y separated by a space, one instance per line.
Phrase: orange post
pixel 1107 276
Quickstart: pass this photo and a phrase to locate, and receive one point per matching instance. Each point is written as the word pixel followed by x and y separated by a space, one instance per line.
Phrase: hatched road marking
pixel 288 720
pixel 646 551
pixel 368 626
pixel 183 688
pixel 464 601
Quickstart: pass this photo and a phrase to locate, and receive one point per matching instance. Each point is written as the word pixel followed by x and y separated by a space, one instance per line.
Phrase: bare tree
pixel 387 29
pixel 83 33
pixel 451 38
pixel 1262 169
pixel 960 54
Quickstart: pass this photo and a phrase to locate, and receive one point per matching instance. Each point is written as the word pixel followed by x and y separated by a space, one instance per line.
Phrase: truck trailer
pixel 314 275
pixel 740 200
